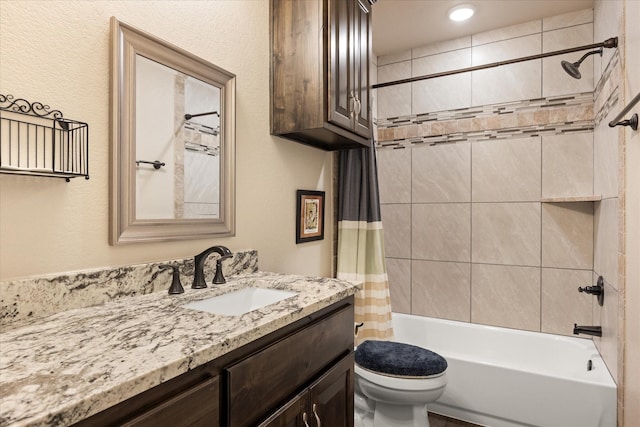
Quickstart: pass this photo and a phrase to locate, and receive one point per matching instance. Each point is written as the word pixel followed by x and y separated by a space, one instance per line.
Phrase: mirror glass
pixel 173 144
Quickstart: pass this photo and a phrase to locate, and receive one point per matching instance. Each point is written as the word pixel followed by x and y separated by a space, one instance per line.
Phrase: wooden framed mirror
pixel 172 142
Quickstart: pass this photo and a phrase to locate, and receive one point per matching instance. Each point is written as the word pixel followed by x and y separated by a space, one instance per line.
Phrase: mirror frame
pixel 126 43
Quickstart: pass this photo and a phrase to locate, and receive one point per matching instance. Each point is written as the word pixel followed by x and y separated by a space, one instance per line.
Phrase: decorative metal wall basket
pixel 35 140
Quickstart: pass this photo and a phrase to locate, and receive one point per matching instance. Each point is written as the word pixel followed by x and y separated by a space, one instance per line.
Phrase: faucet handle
pixel 597 290
pixel 218 279
pixel 176 285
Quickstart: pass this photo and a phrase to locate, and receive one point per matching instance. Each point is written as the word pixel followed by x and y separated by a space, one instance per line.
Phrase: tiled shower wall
pixel 609 182
pixel 485 179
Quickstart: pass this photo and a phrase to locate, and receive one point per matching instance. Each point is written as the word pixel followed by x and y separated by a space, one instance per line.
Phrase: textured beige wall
pixel 631 335
pixel 57 52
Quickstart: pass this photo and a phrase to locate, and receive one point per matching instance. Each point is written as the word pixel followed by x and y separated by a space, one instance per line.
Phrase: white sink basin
pixel 241 301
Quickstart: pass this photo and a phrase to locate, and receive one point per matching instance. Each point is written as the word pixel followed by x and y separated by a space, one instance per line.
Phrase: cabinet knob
pixel 316 415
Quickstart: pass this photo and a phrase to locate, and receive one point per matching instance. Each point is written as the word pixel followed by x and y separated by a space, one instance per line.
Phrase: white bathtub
pixel 502 377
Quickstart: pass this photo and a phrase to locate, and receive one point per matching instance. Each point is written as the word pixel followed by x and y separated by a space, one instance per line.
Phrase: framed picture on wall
pixel 309 216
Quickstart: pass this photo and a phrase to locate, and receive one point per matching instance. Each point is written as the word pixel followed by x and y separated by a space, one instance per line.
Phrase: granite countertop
pixel 71 365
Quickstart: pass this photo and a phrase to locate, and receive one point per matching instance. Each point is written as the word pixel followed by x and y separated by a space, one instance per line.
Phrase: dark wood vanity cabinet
pixel 270 378
pixel 298 372
pixel 320 92
pixel 191 399
pixel 327 402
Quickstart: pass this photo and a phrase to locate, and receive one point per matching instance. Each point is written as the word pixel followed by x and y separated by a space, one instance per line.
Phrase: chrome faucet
pixel 198 261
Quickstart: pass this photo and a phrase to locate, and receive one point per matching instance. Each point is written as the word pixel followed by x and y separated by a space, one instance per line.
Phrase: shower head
pixel 572 67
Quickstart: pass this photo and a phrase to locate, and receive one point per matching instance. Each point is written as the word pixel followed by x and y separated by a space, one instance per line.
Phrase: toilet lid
pixel 399 359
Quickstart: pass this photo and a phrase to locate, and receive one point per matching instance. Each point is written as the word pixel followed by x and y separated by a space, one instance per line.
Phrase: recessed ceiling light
pixel 461 12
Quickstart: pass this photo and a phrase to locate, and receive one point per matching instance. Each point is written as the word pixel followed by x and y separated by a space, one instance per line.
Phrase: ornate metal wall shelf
pixel 35 140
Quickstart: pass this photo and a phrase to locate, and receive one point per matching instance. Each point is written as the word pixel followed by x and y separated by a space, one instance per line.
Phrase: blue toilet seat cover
pixel 399 359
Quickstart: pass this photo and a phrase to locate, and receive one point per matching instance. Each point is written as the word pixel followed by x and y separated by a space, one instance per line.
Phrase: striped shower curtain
pixel 361 244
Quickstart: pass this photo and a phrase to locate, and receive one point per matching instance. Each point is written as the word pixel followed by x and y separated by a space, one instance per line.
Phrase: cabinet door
pixel 340 97
pixel 290 415
pixel 331 396
pixel 361 48
pixel 349 43
pixel 195 407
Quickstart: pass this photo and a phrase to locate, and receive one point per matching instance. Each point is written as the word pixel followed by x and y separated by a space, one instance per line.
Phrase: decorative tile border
pixel 528 106
pixel 553 115
pixel 31 298
pixel 533 117
pixel 607 90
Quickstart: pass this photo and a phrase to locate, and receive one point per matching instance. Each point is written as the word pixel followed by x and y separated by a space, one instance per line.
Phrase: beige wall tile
pixel 441 93
pixel 567 235
pixel 608 318
pixel 395 71
pixel 555 80
pixel 399 272
pixel 385 134
pixel 441 232
pixel 608 22
pixel 507 49
pixel 504 33
pixel 580 112
pixel 404 132
pixel 441 47
pixel 441 289
pixel 562 304
pixel 506 170
pixel 557 115
pixel 508 121
pixel 394 57
pixel 441 173
pixel 567 165
pixel 506 296
pixel 567 20
pixel 506 233
pixel 541 118
pixel 444 93
pixel 446 61
pixel 424 129
pixel 506 83
pixel 605 256
pixel 394 101
pixel 605 153
pixel 444 127
pixel 394 175
pixel 396 221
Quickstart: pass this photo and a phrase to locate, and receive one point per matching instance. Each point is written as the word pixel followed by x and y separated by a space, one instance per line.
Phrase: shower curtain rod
pixel 609 43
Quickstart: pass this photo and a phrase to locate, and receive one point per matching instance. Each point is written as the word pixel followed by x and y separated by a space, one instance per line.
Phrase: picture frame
pixel 309 216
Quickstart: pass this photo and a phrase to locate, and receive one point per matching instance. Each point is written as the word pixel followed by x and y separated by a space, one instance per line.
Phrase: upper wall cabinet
pixel 320 52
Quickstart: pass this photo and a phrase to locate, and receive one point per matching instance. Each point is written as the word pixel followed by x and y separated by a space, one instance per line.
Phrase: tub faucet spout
pixel 596 331
pixel 198 273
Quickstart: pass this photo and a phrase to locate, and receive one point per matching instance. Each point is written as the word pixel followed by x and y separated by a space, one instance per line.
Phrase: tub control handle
pixel 597 290
pixel 316 414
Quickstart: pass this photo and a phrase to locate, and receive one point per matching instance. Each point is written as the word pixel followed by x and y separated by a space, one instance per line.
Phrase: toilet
pixel 394 382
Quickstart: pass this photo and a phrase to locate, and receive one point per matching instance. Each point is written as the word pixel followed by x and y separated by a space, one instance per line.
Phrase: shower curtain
pixel 361 244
